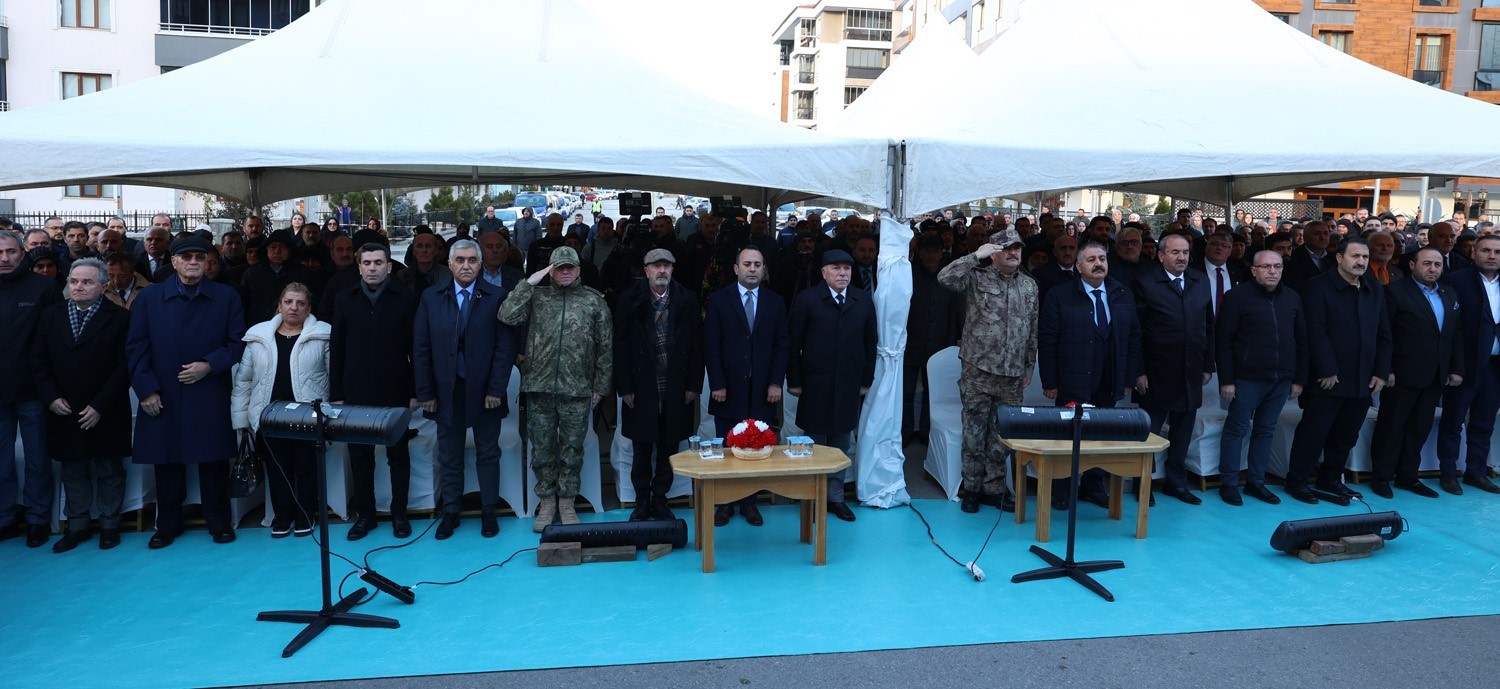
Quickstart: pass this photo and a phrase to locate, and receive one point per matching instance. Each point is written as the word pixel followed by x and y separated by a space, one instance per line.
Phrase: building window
pixel 852 93
pixel 807 33
pixel 84 14
pixel 1283 16
pixel 786 53
pixel 806 74
pixel 75 84
pixel 1488 76
pixel 1427 60
pixel 867 25
pixel 1338 40
pixel 241 17
pixel 1435 3
pixel 89 191
pixel 866 63
pixel 805 109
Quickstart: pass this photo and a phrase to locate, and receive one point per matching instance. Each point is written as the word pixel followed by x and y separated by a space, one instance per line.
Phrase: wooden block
pixel 1326 547
pixel 656 550
pixel 1309 557
pixel 614 553
pixel 1368 543
pixel 559 554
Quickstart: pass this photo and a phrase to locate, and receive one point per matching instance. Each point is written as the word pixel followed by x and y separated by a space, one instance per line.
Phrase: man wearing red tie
pixel 1222 276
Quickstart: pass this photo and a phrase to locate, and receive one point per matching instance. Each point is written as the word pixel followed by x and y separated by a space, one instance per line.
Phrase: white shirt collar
pixel 744 291
pixel 458 290
pixel 836 294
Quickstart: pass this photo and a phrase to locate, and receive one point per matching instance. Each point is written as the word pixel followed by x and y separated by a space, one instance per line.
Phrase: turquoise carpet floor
pixel 185 616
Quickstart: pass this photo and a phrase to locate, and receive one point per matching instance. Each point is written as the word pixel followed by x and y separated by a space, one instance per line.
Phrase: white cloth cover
pixel 945 436
pixel 879 457
pixel 622 458
pixel 676 138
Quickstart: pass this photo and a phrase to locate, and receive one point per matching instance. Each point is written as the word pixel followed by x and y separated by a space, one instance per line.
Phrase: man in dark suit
pixel 1062 269
pixel 370 363
pixel 78 361
pixel 1425 357
pixel 462 355
pixel 262 284
pixel 658 373
pixel 1312 258
pixel 832 365
pixel 1442 236
pixel 746 359
pixel 152 260
pixel 1089 348
pixel 1349 346
pixel 1177 352
pixel 865 272
pixel 1470 407
pixel 1219 274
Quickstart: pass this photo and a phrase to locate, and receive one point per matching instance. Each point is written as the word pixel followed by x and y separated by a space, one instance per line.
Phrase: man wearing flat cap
pixel 998 355
pixel 832 365
pixel 658 371
pixel 567 370
pixel 185 334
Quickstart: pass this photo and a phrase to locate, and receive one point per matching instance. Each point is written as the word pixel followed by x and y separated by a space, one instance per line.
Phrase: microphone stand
pixel 1067 567
pixel 331 613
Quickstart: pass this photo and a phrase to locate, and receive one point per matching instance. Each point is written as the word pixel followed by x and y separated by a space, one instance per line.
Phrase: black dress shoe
pixel 722 513
pixel 162 539
pixel 1060 502
pixel 661 510
pixel 71 540
pixel 1134 492
pixel 360 529
pixel 37 535
pixel 1099 499
pixel 1231 495
pixel 109 538
pixel 841 510
pixel 752 514
pixel 1184 494
pixel 1482 483
pixel 1261 493
pixel 400 526
pixel 223 536
pixel 1007 503
pixel 1340 488
pixel 1300 493
pixel 1418 488
pixel 1382 489
pixel 447 526
pixel 488 525
pixel 1450 485
pixel 969 503
pixel 641 513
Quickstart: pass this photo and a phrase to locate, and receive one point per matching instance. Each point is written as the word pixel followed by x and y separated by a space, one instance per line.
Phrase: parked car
pixel 538 203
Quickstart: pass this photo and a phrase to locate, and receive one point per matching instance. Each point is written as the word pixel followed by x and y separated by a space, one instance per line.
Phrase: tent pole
pixel 1422 202
pixel 897 159
pixel 1229 203
pixel 255 192
pixel 1375 200
pixel 384 221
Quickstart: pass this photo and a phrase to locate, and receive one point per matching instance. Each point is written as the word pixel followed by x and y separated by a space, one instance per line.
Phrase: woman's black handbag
pixel 245 470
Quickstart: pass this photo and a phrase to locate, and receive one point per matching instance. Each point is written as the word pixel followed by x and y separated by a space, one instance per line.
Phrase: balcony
pixel 1487 80
pixel 806 76
pixel 244 31
pixel 806 44
pixel 855 34
pixel 4 105
pixel 863 72
pixel 1431 77
pixel 806 112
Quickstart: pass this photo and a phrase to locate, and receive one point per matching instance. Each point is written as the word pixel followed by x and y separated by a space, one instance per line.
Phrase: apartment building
pixel 53 50
pixel 829 54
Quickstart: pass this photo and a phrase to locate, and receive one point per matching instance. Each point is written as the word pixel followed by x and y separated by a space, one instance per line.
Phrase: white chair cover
pixel 945 438
pixel 622 458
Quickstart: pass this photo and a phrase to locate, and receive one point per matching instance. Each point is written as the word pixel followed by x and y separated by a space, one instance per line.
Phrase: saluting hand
pixel 537 277
pixel 987 250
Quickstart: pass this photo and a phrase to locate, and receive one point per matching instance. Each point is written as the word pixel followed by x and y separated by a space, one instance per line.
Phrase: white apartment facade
pixel 52 50
pixel 829 53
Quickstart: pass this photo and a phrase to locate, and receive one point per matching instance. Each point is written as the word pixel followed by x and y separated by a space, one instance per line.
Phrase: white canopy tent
pixel 914 90
pixel 473 100
pixel 1170 114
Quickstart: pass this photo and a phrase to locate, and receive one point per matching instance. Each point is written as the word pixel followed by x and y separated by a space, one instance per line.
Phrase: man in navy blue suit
pixel 1476 400
pixel 1089 348
pixel 746 358
pixel 463 356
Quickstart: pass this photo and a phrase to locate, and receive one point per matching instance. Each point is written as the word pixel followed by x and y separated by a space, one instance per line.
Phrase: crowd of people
pixel 207 333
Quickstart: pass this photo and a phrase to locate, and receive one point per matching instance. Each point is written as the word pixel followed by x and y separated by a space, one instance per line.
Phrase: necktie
pixel 1101 318
pixel 869 279
pixel 840 300
pixel 1178 283
pixel 750 310
pixel 463 327
pixel 1219 288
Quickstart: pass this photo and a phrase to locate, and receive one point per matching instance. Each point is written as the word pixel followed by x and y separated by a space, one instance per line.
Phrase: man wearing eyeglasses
pixel 1261 343
pixel 182 376
pixel 1125 260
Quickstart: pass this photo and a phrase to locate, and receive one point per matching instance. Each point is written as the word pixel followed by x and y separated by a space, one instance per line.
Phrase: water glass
pixel 718 445
pixel 706 449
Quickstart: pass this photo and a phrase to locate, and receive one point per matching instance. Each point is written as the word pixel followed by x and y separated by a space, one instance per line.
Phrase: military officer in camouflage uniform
pixel 567 370
pixel 998 351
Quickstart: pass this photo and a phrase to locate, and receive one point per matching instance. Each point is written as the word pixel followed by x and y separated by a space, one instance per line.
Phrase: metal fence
pixel 137 222
pixel 1260 208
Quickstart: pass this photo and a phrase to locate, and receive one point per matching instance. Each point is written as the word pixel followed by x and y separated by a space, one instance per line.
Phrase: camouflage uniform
pixel 998 351
pixel 568 359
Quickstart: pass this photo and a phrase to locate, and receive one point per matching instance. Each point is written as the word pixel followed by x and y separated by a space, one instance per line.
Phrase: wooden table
pixel 719 481
pixel 1053 459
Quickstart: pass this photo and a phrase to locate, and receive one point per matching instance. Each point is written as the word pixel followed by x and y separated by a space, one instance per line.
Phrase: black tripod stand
pixel 332 613
pixel 1066 567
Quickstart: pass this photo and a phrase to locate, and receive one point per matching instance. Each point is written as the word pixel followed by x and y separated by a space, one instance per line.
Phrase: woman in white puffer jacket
pixel 286 358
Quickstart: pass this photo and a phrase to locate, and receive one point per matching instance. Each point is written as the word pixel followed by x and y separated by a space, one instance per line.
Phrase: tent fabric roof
pixel 1172 108
pixel 463 91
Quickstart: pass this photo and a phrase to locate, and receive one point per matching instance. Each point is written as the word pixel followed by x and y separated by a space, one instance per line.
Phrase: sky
pixel 722 45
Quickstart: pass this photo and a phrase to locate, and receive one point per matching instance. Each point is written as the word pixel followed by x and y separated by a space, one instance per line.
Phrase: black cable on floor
pixel 465 577
pixel 972 566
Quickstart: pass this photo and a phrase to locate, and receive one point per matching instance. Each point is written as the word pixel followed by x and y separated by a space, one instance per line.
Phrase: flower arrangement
pixel 751 439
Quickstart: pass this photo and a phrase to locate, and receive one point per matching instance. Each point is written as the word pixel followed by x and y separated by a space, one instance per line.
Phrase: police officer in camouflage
pixel 567 370
pixel 998 351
